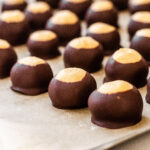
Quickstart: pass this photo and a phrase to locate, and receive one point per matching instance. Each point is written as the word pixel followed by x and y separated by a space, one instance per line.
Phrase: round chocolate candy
pixel 52 3
pixel 127 64
pixel 13 5
pixel 77 6
pixel 116 104
pixel 31 76
pixel 138 21
pixel 14 27
pixel 102 11
pixel 120 4
pixel 139 5
pixel 37 14
pixel 65 24
pixel 85 53
pixel 107 35
pixel 8 58
pixel 140 43
pixel 71 88
pixel 44 44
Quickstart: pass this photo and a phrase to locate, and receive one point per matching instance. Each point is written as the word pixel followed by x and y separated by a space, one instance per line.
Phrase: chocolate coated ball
pixel 105 34
pixel 65 24
pixel 31 76
pixel 13 5
pixel 140 42
pixel 44 44
pixel 138 21
pixel 37 14
pixel 102 11
pixel 77 6
pixel 85 53
pixel 139 5
pixel 71 88
pixel 14 27
pixel 116 105
pixel 127 64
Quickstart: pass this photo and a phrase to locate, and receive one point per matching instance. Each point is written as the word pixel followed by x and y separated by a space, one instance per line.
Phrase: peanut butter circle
pixel 101 28
pixel 64 17
pixel 71 75
pixel 114 87
pixel 43 35
pixel 126 56
pixel 12 16
pixel 38 7
pixel 139 2
pixel 4 44
pixel 142 16
pixel 144 32
pixel 102 5
pixel 31 61
pixel 76 1
pixel 14 2
pixel 84 43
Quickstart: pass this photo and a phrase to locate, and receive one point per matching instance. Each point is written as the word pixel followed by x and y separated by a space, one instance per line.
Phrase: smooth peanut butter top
pixel 38 7
pixel 142 16
pixel 12 16
pixel 31 61
pixel 126 56
pixel 113 87
pixel 84 43
pixel 71 75
pixel 101 28
pixel 102 5
pixel 64 17
pixel 43 35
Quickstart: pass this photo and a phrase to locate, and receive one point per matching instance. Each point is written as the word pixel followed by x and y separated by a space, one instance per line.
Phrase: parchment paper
pixel 31 123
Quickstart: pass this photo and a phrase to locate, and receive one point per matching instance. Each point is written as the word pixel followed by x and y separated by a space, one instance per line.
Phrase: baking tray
pixel 32 123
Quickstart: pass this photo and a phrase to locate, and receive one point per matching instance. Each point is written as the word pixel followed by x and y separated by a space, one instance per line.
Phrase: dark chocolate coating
pixel 14 33
pixel 134 8
pixel 140 43
pixel 116 110
pixel 77 8
pixel 6 6
pixel 37 20
pixel 65 32
pixel 87 59
pixel 135 73
pixel 71 95
pixel 148 91
pixel 43 49
pixel 31 80
pixel 52 3
pixel 110 41
pixel 120 4
pixel 108 16
pixel 134 26
pixel 8 58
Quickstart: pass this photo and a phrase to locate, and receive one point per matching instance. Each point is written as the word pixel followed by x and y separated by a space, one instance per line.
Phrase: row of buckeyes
pixel 44 43
pixel 77 6
pixel 61 23
pixel 21 4
pixel 132 5
pixel 109 37
pixel 114 105
pixel 39 12
pixel 86 53
pixel 36 16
